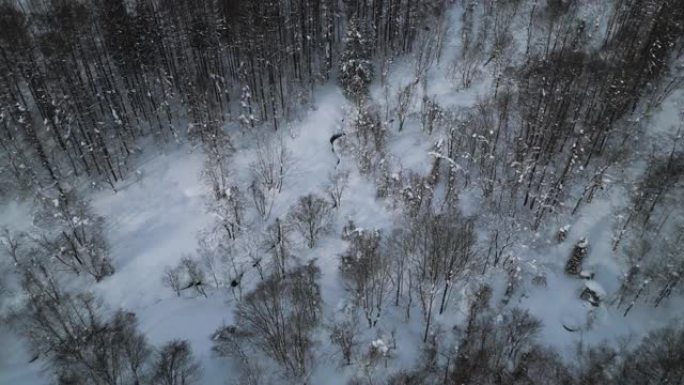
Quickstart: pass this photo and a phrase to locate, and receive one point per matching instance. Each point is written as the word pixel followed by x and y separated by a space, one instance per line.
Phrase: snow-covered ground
pixel 152 222
pixel 14 355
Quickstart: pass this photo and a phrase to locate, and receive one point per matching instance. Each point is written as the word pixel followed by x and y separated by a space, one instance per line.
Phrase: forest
pixel 344 192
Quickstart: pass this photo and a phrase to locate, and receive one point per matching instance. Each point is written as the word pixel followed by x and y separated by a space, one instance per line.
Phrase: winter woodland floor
pixel 153 221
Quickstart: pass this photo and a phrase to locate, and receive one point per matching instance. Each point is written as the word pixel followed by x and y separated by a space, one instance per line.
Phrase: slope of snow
pixel 559 303
pixel 14 358
pixel 153 222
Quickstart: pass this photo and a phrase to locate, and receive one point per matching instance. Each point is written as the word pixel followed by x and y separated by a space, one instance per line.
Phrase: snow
pixel 14 357
pixel 16 216
pixel 380 346
pixel 154 220
pixel 583 243
pixel 596 288
pixel 663 122
pixel 150 224
pixel 559 304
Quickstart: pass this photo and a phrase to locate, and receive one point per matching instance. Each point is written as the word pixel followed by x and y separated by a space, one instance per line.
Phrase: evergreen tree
pixel 356 67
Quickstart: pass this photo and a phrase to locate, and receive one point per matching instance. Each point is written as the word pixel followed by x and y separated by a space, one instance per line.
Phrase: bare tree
pixel 364 267
pixel 230 342
pixel 77 235
pixel 310 217
pixel 261 199
pixel 468 68
pixel 370 131
pixel 211 261
pixel 251 247
pixel 657 359
pixel 172 279
pixel 430 113
pixel 271 164
pixel 278 318
pixel 277 243
pixel 337 184
pixel 216 171
pixel 400 245
pixel 404 103
pixel 175 365
pixel 443 254
pixel 134 346
pixel 12 244
pixel 492 349
pixel 230 211
pixel 69 331
pixel 344 334
pixel 195 277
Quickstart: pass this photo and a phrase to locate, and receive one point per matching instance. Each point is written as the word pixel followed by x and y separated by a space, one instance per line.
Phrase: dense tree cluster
pixel 82 83
pixel 506 350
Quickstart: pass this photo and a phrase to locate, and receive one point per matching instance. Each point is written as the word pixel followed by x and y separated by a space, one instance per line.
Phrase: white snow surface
pixel 154 221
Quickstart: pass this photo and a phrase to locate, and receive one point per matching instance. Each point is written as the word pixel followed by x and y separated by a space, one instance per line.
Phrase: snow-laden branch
pixel 455 165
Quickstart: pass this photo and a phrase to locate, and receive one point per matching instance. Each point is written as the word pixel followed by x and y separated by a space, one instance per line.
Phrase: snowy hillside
pixel 324 192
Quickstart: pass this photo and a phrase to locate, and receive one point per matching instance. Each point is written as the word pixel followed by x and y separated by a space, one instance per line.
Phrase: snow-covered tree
pixel 74 235
pixel 278 319
pixel 365 269
pixel 176 365
pixel 356 67
pixel 310 217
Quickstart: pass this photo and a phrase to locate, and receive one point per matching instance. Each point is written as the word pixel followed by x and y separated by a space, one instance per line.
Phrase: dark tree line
pixel 561 116
pixel 573 96
pixel 81 81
